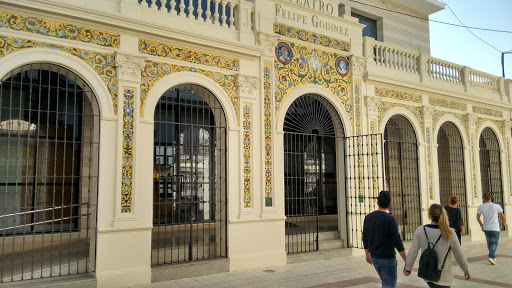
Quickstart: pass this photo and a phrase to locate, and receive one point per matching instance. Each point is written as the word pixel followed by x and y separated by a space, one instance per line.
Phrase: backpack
pixel 428 269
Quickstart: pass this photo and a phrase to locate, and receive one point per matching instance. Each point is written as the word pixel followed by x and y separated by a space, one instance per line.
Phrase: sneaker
pixel 492 261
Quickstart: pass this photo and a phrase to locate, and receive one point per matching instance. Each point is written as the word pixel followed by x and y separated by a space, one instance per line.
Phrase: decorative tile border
pixel 246 126
pixel 307 36
pixel 488 111
pixel 398 95
pixel 463 118
pixel 127 172
pixel 386 106
pixel 149 47
pixel 429 163
pixel 267 107
pixel 312 66
pixel 58 30
pixel 499 123
pixel 154 71
pixel 357 100
pixel 448 104
pixel 102 63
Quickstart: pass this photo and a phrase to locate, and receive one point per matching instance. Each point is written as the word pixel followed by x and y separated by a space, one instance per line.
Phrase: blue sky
pixel 458 45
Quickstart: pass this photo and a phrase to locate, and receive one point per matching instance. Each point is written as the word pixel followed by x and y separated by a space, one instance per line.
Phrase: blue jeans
pixel 386 268
pixel 434 285
pixel 492 238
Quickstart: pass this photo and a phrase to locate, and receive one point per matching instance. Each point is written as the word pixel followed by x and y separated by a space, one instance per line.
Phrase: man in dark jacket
pixel 380 238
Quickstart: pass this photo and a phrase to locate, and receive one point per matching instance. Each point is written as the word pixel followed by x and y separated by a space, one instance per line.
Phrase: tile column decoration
pixel 508 137
pixel 373 119
pixel 268 43
pixel 428 113
pixel 472 119
pixel 129 78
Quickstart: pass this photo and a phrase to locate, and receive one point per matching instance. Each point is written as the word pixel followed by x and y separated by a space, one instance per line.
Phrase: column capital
pixel 129 67
pixel 268 43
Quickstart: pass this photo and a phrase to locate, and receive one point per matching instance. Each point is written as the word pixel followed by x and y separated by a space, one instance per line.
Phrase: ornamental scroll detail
pixel 102 63
pixel 57 29
pixel 154 71
pixel 301 65
pixel 127 153
pixel 177 53
pixel 398 95
pixel 314 38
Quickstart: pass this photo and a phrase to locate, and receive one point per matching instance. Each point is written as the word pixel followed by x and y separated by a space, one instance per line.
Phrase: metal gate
pixel 452 176
pixel 310 172
pixel 402 175
pixel 189 190
pixel 490 166
pixel 48 173
pixel 364 180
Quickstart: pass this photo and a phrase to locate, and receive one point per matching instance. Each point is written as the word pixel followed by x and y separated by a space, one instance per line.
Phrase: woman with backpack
pixel 436 241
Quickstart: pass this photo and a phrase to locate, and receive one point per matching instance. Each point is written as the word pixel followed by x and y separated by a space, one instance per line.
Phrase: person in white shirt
pixel 491 225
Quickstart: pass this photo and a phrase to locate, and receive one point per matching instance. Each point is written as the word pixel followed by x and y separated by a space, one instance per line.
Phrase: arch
pixel 180 78
pixel 450 118
pixel 312 89
pixel 497 133
pixel 74 64
pixel 409 116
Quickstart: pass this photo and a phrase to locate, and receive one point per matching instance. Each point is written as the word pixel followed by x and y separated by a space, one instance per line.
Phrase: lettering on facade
pixel 315 20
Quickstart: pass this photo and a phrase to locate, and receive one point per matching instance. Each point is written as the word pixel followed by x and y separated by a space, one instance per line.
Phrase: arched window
pixel 49 138
pixel 450 159
pixel 311 126
pixel 189 189
pixel 402 175
pixel 490 165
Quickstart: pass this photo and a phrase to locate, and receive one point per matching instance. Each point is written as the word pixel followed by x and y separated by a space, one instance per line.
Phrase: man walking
pixel 380 238
pixel 491 226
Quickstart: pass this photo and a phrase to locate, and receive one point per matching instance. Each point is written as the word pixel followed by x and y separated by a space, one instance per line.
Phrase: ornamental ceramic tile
pixel 127 153
pixel 267 106
pixel 308 66
pixel 397 94
pixel 247 166
pixel 102 63
pixel 56 29
pixel 307 36
pixel 447 104
pixel 177 53
pixel 487 111
pixel 386 106
pixel 154 71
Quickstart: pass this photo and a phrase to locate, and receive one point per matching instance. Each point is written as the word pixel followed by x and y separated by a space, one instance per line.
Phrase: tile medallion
pixel 102 63
pixel 487 111
pixel 149 47
pixel 154 71
pixel 246 126
pixel 314 38
pixel 398 95
pixel 127 153
pixel 57 29
pixel 267 107
pixel 308 66
pixel 439 102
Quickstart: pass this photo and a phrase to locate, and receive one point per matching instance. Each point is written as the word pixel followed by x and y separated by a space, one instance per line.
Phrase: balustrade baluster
pixel 153 5
pixel 216 14
pixel 191 8
pixel 182 9
pixel 208 13
pixel 232 15
pixel 199 10
pixel 224 17
pixel 162 6
pixel 376 57
pixel 172 5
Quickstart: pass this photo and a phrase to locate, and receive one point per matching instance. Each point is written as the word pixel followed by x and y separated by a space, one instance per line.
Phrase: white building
pixel 136 140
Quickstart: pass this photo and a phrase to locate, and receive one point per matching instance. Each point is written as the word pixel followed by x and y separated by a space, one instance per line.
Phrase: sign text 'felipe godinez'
pixel 314 20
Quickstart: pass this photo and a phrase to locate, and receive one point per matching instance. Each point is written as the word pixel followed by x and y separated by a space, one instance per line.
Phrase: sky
pixel 458 45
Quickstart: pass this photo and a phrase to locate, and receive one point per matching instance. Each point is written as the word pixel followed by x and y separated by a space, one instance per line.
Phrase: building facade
pixel 140 137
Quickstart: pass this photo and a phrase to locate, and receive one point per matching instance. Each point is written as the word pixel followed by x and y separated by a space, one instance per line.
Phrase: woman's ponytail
pixel 438 214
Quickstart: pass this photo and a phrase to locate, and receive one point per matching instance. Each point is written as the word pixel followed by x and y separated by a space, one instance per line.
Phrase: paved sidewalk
pixel 353 271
